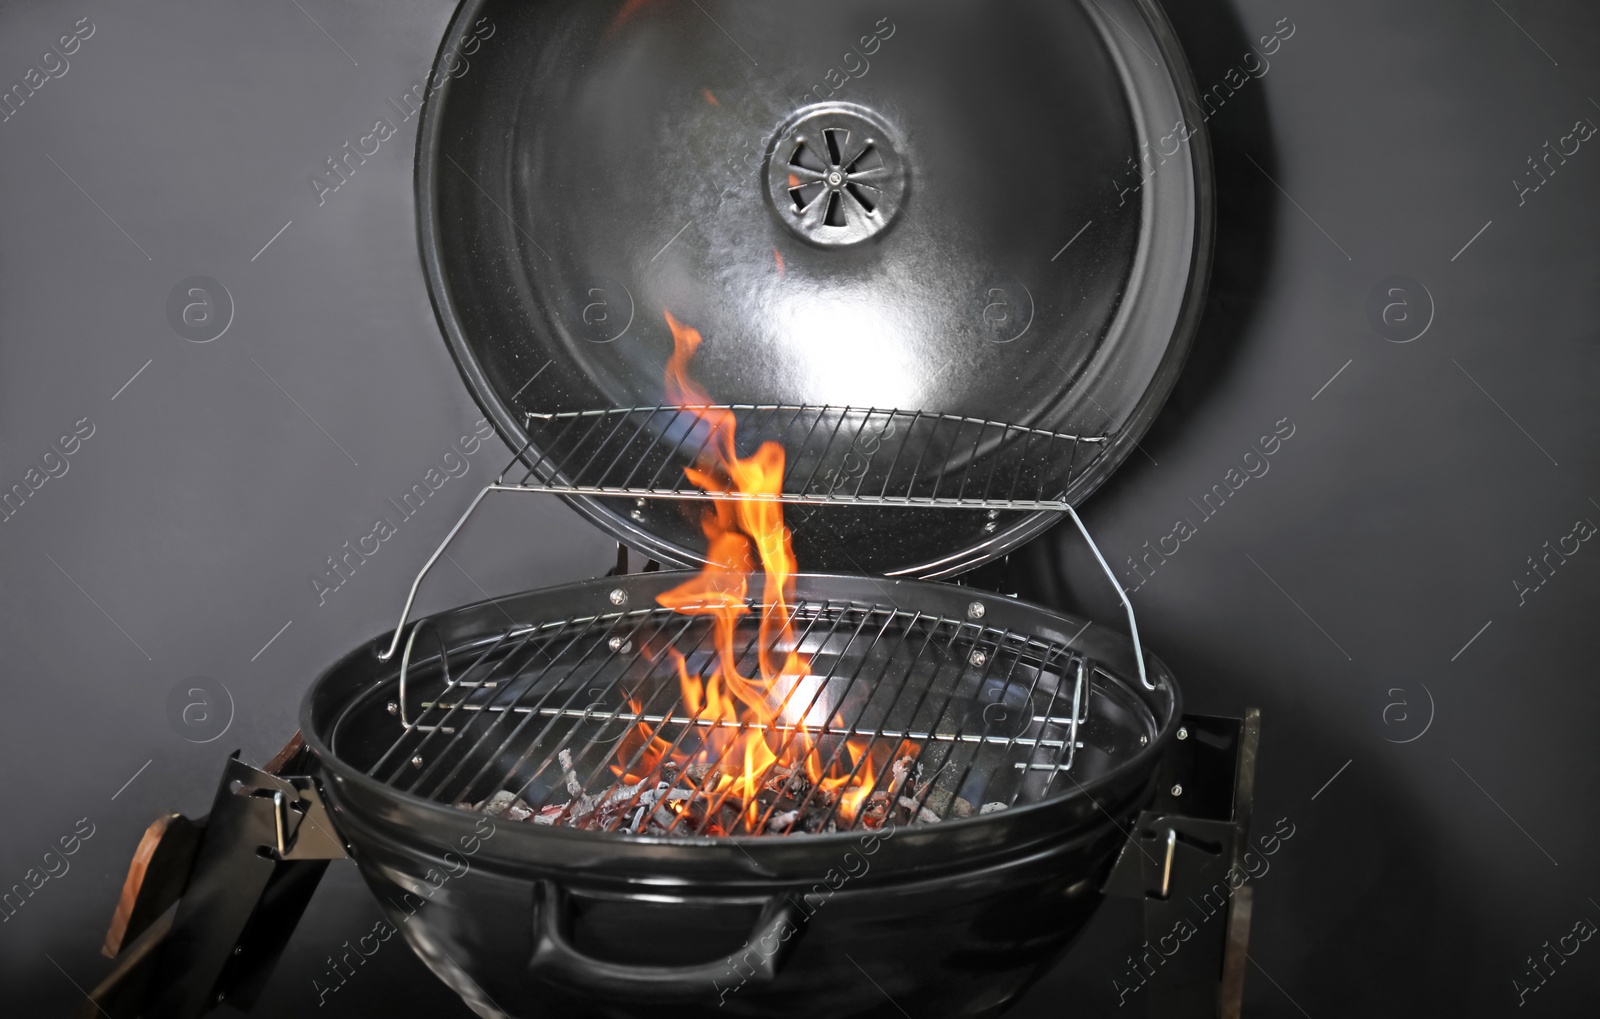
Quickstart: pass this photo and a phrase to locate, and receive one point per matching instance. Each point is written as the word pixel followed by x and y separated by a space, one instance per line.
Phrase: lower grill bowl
pixel 953 918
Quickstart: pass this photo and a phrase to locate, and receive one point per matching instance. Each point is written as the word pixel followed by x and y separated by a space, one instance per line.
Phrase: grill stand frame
pixel 1060 505
pixel 1188 843
pixel 227 903
pixel 229 892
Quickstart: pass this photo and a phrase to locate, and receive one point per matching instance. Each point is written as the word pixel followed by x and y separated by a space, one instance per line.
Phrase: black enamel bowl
pixel 948 919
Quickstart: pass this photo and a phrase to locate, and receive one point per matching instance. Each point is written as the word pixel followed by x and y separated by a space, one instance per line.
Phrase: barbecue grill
pixel 940 783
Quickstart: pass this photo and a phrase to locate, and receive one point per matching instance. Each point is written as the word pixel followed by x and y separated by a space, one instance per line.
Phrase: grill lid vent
pixel 836 175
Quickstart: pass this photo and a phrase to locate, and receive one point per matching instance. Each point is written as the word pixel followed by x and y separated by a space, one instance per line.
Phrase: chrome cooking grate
pixel 835 455
pixel 550 714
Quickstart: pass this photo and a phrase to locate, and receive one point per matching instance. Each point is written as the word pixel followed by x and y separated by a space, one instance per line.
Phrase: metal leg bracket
pixel 1184 860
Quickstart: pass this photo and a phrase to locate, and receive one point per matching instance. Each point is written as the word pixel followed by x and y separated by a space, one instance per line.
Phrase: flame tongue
pixel 759 733
pixel 739 535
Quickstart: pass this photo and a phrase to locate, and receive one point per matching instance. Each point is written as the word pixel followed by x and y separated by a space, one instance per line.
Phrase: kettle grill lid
pixel 1000 211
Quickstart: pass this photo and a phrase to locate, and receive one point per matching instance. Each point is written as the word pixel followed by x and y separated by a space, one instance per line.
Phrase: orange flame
pixel 753 728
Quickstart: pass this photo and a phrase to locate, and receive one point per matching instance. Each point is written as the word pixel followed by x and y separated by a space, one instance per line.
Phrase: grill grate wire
pixel 498 713
pixel 836 456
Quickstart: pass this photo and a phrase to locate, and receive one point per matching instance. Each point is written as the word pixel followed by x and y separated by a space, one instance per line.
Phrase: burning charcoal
pixel 921 813
pixel 788 782
pixel 900 770
pixel 914 809
pixel 660 820
pixel 582 808
pixel 706 817
pixel 989 808
pixel 592 820
pixel 550 814
pixel 464 805
pixel 652 795
pixel 664 816
pixel 652 809
pixel 727 819
pixel 506 804
pixel 574 787
pixel 818 820
pixel 624 793
pixel 597 813
pixel 824 796
pixel 940 801
pixel 645 813
pixel 876 810
pixel 698 773
pixel 696 811
pixel 781 822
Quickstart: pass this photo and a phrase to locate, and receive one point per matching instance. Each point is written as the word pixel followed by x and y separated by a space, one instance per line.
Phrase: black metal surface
pixel 990 898
pixel 248 871
pixel 599 165
pixel 555 960
pixel 1188 848
pixel 240 906
pixel 951 942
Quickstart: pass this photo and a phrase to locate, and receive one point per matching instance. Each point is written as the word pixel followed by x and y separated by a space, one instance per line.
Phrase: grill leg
pixel 209 905
pixel 1185 861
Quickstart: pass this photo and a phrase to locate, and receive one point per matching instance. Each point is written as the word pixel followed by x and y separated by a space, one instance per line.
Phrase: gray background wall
pixel 1439 775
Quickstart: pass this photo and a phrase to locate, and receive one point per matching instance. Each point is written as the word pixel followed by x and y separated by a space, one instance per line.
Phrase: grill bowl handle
pixel 556 960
